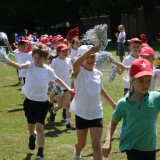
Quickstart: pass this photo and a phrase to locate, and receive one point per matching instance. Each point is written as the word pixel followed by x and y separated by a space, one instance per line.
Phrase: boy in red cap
pixel 135 47
pixel 139 111
pixel 149 54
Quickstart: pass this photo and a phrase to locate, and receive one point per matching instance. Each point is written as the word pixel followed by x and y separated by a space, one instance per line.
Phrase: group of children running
pixel 59 63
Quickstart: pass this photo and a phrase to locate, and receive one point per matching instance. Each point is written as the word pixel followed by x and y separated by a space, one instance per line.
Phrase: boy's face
pixel 141 85
pixel 135 47
pixel 38 61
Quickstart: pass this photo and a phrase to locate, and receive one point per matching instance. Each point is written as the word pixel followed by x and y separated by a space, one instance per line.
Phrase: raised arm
pixel 107 145
pixel 79 61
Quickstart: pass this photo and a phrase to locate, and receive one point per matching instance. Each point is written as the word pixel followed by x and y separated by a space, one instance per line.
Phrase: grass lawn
pixel 59 143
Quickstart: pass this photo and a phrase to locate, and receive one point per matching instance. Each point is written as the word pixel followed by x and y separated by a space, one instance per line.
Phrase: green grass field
pixel 59 143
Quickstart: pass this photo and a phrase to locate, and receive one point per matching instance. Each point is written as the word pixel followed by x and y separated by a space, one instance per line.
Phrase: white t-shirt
pixel 87 101
pixel 154 79
pixel 36 85
pixel 127 61
pixel 62 68
pixel 22 57
pixel 120 36
pixel 73 55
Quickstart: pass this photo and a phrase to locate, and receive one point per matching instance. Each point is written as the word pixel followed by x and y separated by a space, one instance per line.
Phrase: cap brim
pixel 144 73
pixel 63 49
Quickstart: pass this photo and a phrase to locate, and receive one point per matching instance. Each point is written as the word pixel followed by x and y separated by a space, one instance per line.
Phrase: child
pixel 149 54
pixel 63 68
pixel 75 44
pixel 86 104
pixel 139 111
pixel 135 47
pixel 22 54
pixel 35 89
pixel 121 36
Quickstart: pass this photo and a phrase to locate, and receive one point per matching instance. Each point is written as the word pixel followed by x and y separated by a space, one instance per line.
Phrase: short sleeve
pixel 118 113
pixel 51 75
pixel 53 64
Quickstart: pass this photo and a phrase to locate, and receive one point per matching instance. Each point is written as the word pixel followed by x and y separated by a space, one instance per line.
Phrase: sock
pixel 68 120
pixel 64 113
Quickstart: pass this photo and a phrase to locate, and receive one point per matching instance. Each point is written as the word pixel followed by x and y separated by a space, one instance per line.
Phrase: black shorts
pixel 35 111
pixel 140 155
pixel 84 123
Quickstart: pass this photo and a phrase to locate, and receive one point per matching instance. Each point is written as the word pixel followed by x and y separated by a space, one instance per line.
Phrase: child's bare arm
pixel 19 66
pixel 108 98
pixel 107 145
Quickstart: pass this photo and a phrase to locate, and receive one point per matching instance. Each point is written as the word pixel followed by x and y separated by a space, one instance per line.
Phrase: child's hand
pixel 72 92
pixel 94 49
pixel 106 149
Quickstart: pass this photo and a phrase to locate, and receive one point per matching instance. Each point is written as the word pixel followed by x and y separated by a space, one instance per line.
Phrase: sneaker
pixel 39 157
pixel 63 120
pixel 18 84
pixel 32 140
pixel 70 127
pixel 52 115
pixel 77 158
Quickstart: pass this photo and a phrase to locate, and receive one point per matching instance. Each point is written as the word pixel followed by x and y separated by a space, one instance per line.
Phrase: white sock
pixel 54 112
pixel 68 120
pixel 74 154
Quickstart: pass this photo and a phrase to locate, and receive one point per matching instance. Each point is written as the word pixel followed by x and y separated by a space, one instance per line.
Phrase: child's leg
pixel 96 134
pixel 40 134
pixel 67 98
pixel 31 128
pixel 81 140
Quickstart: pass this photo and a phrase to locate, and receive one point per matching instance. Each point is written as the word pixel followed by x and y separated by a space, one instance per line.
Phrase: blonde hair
pixel 41 49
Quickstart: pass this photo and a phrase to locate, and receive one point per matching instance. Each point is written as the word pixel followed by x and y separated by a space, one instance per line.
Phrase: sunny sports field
pixel 60 142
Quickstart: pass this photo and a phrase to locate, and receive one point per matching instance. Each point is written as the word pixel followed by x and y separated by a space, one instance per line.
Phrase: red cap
pixel 62 47
pixel 141 67
pixel 57 38
pixel 147 51
pixel 133 40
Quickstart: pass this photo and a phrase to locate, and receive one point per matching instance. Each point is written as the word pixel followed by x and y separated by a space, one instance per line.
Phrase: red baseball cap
pixel 133 40
pixel 147 51
pixel 62 47
pixel 141 67
pixel 57 38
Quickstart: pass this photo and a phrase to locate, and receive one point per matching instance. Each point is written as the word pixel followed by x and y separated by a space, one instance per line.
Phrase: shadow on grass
pixel 28 156
pixel 15 110
pixel 53 129
pixel 12 85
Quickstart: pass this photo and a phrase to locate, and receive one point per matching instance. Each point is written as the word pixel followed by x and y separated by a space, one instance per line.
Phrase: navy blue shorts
pixel 35 111
pixel 84 123
pixel 140 155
